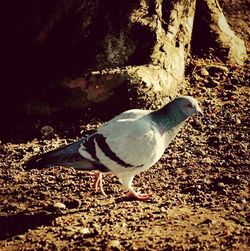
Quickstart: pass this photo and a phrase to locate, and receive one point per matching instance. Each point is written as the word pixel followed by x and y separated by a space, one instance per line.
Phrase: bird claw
pixel 138 196
pixel 98 185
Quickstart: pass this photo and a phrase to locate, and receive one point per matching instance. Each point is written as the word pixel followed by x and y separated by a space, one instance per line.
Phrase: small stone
pixel 198 186
pixel 187 155
pixel 204 72
pixel 179 170
pixel 37 149
pixel 163 209
pixel 59 205
pixel 221 185
pixel 207 161
pixel 243 201
pixel 174 162
pixel 238 121
pixel 20 237
pixel 226 232
pixel 84 230
pixel 114 244
pixel 46 130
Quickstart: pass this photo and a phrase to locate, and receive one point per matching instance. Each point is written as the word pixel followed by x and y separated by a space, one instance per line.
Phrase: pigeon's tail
pixel 64 156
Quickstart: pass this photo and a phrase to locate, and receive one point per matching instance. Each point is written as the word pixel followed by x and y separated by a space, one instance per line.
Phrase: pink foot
pixel 138 196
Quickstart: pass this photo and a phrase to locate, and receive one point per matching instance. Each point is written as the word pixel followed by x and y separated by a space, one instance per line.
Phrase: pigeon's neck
pixel 168 119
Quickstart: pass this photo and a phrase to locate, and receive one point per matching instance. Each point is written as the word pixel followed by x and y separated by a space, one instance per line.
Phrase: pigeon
pixel 125 146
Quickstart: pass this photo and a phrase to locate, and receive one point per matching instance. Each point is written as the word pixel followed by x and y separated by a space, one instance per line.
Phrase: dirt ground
pixel 200 188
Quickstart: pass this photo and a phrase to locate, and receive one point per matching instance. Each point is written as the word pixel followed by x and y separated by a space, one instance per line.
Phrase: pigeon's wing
pixel 129 141
pixel 67 156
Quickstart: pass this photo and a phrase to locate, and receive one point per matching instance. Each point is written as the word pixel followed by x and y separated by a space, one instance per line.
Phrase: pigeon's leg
pixel 99 183
pixel 127 182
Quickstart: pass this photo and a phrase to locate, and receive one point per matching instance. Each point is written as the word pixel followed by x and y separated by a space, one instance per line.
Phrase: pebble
pixel 37 149
pixel 20 237
pixel 83 230
pixel 187 155
pixel 238 121
pixel 243 201
pixel 207 160
pixel 198 186
pixel 163 210
pixel 226 232
pixel 204 72
pixel 59 205
pixel 221 185
pixel 46 130
pixel 174 162
pixel 114 244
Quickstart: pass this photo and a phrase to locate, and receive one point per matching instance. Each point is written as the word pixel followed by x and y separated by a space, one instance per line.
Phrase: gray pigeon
pixel 128 144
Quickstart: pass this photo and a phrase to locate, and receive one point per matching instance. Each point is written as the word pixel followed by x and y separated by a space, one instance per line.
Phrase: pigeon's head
pixel 188 105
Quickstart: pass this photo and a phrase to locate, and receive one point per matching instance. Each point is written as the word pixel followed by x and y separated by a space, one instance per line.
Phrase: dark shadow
pixel 125 198
pixel 21 223
pixel 67 123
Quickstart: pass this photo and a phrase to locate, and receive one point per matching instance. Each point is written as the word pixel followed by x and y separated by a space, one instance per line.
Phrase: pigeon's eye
pixel 190 105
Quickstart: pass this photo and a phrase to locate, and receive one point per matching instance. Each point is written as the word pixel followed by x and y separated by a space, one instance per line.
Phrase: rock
pixel 163 210
pixel 238 121
pixel 242 200
pixel 204 72
pixel 207 161
pixel 83 230
pixel 226 232
pixel 59 205
pixel 36 149
pixel 46 130
pixel 114 244
pixel 221 185
pixel 20 237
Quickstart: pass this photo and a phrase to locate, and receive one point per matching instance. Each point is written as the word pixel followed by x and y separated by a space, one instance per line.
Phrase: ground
pixel 200 188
